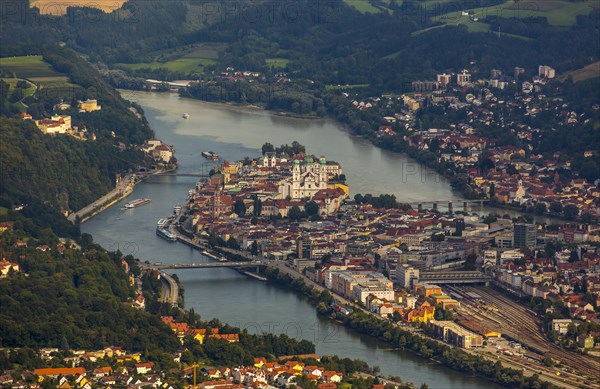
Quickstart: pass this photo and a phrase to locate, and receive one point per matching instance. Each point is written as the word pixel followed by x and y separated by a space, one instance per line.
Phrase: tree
pixel 573 257
pixel 437 237
pixel 297 148
pixel 358 198
pixel 590 170
pixel 295 213
pixel 551 248
pixel 489 219
pixel 570 211
pixel 311 208
pixel 267 148
pixel 232 243
pixel 257 206
pixel 510 169
pixel 556 207
pixel 239 208
pixel 540 208
pixel 548 361
pixel 254 248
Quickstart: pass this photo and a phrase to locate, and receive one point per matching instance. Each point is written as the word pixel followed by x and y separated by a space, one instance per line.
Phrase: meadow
pixel 557 12
pixel 585 73
pixel 39 74
pixel 190 60
pixel 277 63
pixel 363 6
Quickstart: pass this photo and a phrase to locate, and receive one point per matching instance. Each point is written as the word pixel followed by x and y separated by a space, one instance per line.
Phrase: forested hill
pixel 332 42
pixel 84 82
pixel 60 172
pixel 65 295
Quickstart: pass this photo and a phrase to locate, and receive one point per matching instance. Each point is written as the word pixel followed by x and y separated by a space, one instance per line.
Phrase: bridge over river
pixel 209 265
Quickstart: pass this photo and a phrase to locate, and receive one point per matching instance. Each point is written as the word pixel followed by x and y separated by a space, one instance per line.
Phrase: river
pixel 234 133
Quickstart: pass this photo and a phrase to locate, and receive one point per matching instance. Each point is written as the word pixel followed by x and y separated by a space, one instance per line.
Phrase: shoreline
pixel 490 207
pixel 129 182
pixel 527 372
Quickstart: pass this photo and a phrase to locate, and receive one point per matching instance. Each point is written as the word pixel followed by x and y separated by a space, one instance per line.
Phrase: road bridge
pixel 208 265
pixel 200 175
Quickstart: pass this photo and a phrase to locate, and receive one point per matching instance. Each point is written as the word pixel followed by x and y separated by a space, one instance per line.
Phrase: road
pixel 528 368
pixel 123 189
pixel 170 289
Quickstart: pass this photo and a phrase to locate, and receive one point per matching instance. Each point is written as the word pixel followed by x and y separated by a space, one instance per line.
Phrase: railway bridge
pixel 449 205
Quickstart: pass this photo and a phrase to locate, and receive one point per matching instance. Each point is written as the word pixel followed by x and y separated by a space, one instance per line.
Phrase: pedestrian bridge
pixel 454 277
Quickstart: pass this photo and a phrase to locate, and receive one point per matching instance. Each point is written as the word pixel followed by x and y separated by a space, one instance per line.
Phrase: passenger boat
pixel 210 155
pixel 137 203
pixel 177 209
pixel 162 223
pixel 166 234
pixel 185 115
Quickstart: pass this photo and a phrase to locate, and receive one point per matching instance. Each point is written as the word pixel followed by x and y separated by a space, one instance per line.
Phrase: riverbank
pixel 405 337
pixel 257 108
pixel 123 189
pixel 459 182
pixel 237 299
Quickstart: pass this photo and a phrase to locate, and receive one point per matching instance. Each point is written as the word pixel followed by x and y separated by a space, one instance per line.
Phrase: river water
pixel 234 133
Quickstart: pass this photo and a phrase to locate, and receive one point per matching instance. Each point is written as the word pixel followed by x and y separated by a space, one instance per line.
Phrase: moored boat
pixel 165 234
pixel 185 115
pixel 162 222
pixel 177 209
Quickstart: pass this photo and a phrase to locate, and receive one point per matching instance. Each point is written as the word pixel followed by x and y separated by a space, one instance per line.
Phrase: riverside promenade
pixel 123 189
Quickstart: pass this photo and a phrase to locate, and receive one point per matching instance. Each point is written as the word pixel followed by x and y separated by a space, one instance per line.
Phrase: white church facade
pixel 308 177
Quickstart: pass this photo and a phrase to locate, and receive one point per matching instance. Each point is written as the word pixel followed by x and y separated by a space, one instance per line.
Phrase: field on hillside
pixel 558 12
pixel 26 66
pixel 188 60
pixel 53 7
pixel 277 63
pixel 586 73
pixel 186 65
pixel 344 87
pixel 34 69
pixel 363 6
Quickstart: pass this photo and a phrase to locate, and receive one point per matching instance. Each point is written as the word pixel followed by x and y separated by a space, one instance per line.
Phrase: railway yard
pixel 497 312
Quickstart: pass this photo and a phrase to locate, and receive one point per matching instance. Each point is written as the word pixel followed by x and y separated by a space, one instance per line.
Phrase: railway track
pixel 520 324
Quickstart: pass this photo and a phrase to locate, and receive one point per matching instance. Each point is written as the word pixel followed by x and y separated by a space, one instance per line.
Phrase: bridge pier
pixel 466 207
pixel 435 207
pixel 450 208
pixel 420 207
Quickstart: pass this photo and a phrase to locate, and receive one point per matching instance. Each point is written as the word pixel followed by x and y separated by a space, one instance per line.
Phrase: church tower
pixel 295 180
pixel 322 173
pixel 216 203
